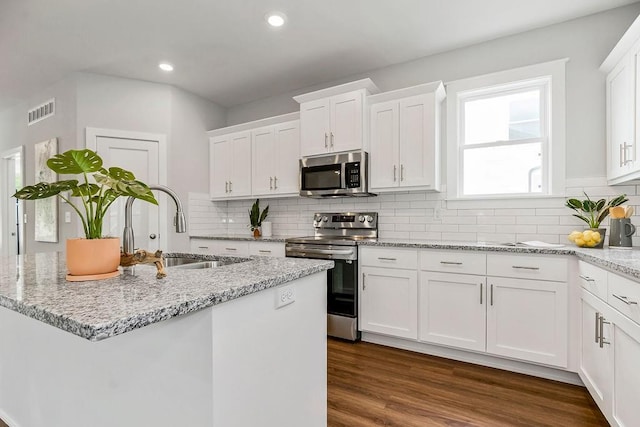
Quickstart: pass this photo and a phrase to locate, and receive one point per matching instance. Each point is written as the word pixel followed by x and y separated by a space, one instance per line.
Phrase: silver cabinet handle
pixel 621 155
pixel 602 341
pixel 275 182
pixel 450 263
pixel 203 247
pixel 481 289
pixel 587 278
pixel 364 286
pixel 262 251
pixel 625 147
pixel 401 172
pixel 230 249
pixel 625 299
pixel 491 294
pixel 230 188
pixel 597 327
pixel 394 172
pixel 381 258
pixel 331 139
pixel 226 186
pixel 522 267
pixel 326 145
pixel 270 183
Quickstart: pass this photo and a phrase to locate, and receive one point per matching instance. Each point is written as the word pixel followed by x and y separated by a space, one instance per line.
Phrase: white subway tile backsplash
pixel 410 215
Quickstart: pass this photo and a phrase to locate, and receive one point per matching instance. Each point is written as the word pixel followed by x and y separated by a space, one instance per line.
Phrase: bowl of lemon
pixel 588 238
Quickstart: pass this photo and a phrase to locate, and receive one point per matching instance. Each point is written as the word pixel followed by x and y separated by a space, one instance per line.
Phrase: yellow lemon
pixel 587 234
pixel 574 235
pixel 597 236
pixel 579 242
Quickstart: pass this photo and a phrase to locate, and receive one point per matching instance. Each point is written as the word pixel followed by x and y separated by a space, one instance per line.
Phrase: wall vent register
pixel 41 112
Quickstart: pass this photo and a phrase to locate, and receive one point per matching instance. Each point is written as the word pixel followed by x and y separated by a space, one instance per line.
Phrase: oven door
pixel 342 288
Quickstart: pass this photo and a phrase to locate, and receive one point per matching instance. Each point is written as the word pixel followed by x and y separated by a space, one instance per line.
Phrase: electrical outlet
pixel 285 295
pixel 437 214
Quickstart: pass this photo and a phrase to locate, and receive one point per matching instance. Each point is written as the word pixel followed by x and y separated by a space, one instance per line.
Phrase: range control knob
pixel 361 218
pixel 317 218
pixel 369 218
pixel 325 219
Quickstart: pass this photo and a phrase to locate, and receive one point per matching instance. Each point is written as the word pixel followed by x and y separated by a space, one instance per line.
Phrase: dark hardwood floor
pixel 2 424
pixel 372 385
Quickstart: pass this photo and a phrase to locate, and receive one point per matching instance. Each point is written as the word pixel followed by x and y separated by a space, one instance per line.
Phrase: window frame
pixel 549 76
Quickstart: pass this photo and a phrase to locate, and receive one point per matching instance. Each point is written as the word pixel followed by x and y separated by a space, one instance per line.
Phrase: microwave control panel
pixel 352 172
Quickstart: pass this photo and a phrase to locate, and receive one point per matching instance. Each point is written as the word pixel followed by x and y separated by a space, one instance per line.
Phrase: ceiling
pixel 224 51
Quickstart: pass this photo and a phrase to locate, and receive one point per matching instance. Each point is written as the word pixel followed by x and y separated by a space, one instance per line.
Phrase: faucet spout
pixel 180 222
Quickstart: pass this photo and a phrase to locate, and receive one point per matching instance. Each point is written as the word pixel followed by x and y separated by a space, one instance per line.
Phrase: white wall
pixel 92 100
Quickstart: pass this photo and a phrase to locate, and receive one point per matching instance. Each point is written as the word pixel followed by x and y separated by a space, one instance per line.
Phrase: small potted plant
pixel 256 217
pixel 94 256
pixel 594 212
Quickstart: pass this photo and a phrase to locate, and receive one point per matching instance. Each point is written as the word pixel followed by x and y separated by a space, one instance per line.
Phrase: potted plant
pixel 594 212
pixel 85 259
pixel 256 217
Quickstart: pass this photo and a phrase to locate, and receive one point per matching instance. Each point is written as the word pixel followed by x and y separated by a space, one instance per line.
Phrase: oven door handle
pixel 326 251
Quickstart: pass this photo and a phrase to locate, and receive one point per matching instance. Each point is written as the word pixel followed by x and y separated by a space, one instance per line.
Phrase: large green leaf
pixel 574 204
pixel 43 190
pixel 85 190
pixel 75 162
pixel 588 206
pixel 121 174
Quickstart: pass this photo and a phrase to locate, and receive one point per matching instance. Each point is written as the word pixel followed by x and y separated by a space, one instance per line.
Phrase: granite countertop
pixel 35 286
pixel 246 237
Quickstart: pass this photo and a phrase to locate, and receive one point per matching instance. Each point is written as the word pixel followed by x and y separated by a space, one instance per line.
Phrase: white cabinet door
pixel 219 159
pixel 346 122
pixel 417 141
pixel 263 159
pixel 314 127
pixel 240 165
pixel 286 162
pixel 527 319
pixel 389 302
pixel 626 375
pixel 384 145
pixel 272 249
pixel 202 246
pixel 452 310
pixel 595 361
pixel 620 125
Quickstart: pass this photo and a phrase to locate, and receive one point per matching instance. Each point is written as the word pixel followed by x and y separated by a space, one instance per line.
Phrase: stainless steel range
pixel 336 237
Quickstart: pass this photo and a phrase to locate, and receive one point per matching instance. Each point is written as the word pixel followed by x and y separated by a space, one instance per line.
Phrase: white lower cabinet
pixel 609 354
pixel 220 247
pixel 452 310
pixel 527 319
pixel 388 301
pixel 273 249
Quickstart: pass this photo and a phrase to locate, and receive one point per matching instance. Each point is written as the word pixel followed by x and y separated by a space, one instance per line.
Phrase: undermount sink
pixel 196 263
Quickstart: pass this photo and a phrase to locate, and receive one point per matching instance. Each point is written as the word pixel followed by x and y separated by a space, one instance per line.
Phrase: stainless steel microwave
pixel 335 175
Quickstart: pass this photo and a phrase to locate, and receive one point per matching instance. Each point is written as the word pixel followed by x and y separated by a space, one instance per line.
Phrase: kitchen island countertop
pixel 35 286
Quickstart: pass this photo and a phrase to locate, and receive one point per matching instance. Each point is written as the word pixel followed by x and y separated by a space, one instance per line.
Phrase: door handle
pixel 152 236
pixel 450 263
pixel 602 323
pixel 625 299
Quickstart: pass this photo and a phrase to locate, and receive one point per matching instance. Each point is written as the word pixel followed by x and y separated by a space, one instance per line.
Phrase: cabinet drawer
pixel 624 295
pixel 454 262
pixel 274 249
pixel 528 267
pixel 387 257
pixel 232 247
pixel 202 246
pixel 593 278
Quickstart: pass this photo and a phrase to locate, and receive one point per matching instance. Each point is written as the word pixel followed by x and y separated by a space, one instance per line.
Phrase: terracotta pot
pixel 256 232
pixel 88 257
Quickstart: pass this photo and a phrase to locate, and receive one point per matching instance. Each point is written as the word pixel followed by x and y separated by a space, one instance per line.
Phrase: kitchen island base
pixel 240 363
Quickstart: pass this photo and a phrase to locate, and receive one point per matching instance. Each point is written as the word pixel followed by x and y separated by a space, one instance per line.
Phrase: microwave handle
pixel 343 175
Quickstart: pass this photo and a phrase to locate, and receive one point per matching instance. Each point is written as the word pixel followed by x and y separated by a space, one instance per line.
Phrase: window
pixel 500 134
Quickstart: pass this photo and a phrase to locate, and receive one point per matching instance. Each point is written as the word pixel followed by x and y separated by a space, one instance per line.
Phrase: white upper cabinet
pixel 255 159
pixel 230 162
pixel 405 138
pixel 275 158
pixel 333 119
pixel 623 107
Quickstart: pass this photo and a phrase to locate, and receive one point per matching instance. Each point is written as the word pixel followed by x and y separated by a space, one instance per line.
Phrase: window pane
pixel 503 170
pixel 501 118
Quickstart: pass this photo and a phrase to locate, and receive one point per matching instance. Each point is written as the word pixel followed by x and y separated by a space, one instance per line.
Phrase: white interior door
pixel 141 154
pixel 11 228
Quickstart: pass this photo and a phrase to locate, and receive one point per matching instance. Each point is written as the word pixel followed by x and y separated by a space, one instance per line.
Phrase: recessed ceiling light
pixel 276 19
pixel 165 66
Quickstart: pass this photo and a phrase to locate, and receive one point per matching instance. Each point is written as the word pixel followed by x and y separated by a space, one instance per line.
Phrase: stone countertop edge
pixel 97 331
pixel 242 237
